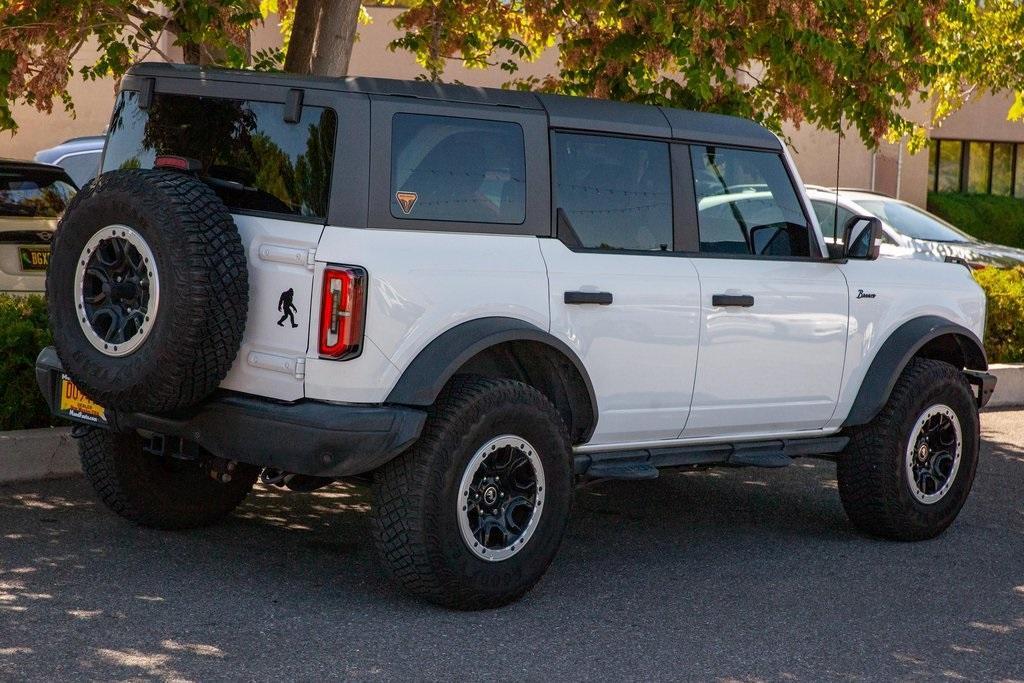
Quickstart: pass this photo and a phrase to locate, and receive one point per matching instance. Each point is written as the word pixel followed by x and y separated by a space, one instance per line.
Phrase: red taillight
pixel 342 308
pixel 177 163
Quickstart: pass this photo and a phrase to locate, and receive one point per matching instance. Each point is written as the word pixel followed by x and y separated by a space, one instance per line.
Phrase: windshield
pixel 33 193
pixel 914 222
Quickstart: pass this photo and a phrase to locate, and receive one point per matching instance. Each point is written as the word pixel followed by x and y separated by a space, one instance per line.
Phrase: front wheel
pixel 907 474
pixel 472 515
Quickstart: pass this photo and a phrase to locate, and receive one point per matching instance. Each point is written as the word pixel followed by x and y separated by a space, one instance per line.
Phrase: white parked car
pixel 474 299
pixel 908 231
pixel 32 198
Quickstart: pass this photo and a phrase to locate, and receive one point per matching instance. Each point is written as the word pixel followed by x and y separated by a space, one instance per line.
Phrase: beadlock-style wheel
pixel 118 290
pixel 500 498
pixel 933 454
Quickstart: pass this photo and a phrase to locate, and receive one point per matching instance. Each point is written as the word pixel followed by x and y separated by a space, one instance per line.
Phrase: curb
pixel 45 453
pixel 1009 385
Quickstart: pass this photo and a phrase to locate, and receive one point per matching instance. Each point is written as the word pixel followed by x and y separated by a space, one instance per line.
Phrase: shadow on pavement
pixel 731 575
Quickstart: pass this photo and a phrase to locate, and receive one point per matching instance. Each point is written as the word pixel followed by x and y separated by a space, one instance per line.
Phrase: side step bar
pixel 645 463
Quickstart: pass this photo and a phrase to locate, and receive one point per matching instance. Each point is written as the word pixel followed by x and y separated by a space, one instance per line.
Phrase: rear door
pixel 271 161
pixel 621 295
pixel 774 313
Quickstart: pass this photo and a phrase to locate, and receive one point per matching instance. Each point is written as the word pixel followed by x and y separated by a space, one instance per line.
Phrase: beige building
pixel 979 150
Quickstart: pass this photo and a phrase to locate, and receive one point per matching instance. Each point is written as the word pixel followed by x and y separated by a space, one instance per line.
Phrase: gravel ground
pixel 739 575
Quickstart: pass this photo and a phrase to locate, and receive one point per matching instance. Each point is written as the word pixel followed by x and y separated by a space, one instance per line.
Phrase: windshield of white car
pixel 913 222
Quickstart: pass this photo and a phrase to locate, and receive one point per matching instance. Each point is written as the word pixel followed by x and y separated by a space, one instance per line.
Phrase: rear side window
pixel 33 194
pixel 746 204
pixel 446 168
pixel 615 192
pixel 247 153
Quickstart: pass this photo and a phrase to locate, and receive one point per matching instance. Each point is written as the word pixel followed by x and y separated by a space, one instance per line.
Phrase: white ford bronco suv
pixel 474 299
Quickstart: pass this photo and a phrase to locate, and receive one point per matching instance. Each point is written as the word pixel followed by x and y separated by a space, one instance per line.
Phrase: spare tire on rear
pixel 147 290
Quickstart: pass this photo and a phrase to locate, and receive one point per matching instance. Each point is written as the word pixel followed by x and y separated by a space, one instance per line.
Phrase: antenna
pixel 839 155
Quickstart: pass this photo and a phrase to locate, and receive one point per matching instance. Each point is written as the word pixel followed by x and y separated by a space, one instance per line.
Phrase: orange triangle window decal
pixel 407 200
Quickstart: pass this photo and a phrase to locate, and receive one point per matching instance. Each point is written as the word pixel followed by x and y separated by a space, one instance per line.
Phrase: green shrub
pixel 987 217
pixel 23 332
pixel 1004 326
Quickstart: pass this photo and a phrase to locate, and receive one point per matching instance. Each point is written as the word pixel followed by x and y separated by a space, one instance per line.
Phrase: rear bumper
pixel 304 437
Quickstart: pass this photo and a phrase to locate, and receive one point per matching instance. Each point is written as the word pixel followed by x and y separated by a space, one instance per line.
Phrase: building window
pixel 1002 168
pixel 1018 168
pixel 949 152
pixel 933 164
pixel 979 167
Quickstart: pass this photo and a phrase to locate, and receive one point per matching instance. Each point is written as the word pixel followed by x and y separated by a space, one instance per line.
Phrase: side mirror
pixel 862 238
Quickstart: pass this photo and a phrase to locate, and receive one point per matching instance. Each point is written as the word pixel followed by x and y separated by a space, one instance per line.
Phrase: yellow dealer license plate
pixel 77 406
pixel 34 258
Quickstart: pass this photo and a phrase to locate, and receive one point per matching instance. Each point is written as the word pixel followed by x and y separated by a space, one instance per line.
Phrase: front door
pixel 774 313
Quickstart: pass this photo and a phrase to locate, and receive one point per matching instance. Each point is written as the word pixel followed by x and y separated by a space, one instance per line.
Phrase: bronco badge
pixel 407 201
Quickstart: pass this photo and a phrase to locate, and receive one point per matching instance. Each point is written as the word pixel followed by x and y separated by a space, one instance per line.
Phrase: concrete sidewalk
pixel 738 575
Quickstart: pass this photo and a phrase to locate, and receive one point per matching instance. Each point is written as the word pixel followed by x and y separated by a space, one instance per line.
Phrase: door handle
pixel 741 300
pixel 600 298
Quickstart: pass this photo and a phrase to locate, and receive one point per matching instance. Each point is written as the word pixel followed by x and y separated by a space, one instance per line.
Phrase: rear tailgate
pixel 279 252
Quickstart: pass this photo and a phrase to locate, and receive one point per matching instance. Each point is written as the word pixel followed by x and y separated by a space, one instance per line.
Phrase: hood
pixel 984 253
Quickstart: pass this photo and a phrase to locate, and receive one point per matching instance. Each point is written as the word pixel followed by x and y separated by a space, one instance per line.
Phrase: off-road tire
pixel 415 496
pixel 203 290
pixel 156 491
pixel 873 483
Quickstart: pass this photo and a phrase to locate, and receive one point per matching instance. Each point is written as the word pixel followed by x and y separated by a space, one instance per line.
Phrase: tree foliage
pixel 40 38
pixel 820 61
pixel 861 62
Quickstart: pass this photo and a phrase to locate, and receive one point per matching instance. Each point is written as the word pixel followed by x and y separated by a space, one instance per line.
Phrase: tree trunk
pixel 335 37
pixel 304 29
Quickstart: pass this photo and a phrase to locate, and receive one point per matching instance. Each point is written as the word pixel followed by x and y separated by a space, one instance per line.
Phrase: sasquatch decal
pixel 287 307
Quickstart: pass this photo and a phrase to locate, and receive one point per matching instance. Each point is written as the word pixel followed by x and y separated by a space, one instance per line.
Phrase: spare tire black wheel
pixel 147 290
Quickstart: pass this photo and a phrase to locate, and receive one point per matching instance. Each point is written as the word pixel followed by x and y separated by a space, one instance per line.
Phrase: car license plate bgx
pixel 75 405
pixel 34 258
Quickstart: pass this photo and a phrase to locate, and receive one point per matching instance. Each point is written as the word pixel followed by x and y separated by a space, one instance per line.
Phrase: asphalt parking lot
pixel 740 575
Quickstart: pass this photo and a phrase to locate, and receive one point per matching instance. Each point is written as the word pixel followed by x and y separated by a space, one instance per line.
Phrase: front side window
pixel 446 168
pixel 746 204
pixel 615 193
pixel 33 194
pixel 826 213
pixel 248 154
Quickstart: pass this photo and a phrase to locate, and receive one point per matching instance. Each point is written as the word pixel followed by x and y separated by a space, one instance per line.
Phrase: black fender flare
pixel 894 354
pixel 430 370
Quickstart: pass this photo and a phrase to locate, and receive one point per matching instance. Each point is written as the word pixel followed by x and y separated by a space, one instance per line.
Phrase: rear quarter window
pixel 248 154
pixel 447 168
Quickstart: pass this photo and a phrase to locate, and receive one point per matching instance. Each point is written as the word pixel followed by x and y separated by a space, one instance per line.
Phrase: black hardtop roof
pixel 579 113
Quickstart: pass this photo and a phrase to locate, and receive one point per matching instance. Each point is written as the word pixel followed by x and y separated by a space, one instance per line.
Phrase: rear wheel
pixel 157 491
pixel 472 515
pixel 907 474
